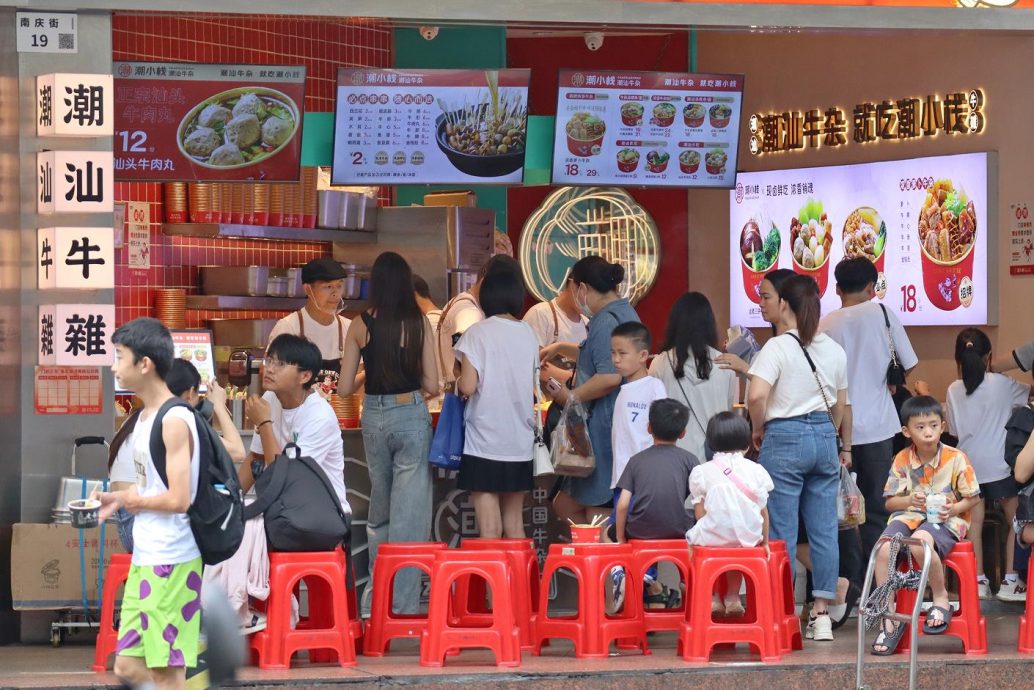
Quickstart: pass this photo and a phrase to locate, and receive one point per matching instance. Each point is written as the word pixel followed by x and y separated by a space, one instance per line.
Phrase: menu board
pixel 647 129
pixel 430 126
pixel 195 346
pixel 180 121
pixel 924 222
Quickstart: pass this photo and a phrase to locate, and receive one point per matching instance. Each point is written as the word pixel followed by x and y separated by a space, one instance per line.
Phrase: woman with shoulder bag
pixel 799 388
pixel 687 367
pixel 499 426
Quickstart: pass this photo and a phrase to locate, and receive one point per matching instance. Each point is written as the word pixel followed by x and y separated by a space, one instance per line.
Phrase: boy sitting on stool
pixel 926 469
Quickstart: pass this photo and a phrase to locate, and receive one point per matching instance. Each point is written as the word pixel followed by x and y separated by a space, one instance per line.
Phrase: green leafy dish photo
pixel 759 253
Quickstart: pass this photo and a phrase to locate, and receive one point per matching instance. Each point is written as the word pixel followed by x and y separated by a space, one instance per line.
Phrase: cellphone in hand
pixel 552 385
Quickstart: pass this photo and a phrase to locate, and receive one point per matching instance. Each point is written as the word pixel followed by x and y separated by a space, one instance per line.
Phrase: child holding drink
pixel 930 492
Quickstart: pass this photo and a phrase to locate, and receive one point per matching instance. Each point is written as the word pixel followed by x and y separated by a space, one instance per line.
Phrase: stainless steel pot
pixel 75 487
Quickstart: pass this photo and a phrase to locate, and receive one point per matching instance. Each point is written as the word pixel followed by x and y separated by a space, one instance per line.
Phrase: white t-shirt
pixel 979 422
pixel 433 317
pixel 162 538
pixel 551 329
pixel 794 392
pixel 461 312
pixel 629 432
pixel 499 419
pixel 313 427
pixel 706 397
pixel 327 338
pixel 731 519
pixel 862 332
pixel 122 469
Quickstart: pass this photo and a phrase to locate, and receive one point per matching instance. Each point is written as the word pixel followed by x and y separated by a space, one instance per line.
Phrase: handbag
pixel 895 372
pixel 571 453
pixel 447 444
pixel 822 392
pixel 301 510
pixel 543 464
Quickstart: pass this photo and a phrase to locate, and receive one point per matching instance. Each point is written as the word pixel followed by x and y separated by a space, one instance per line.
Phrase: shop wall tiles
pixel 321 44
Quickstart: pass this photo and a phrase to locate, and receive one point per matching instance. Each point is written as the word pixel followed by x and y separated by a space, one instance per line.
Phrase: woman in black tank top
pixel 395 342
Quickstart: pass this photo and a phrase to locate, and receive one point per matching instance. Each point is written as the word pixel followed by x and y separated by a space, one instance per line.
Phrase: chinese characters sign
pixel 430 126
pixel 1021 239
pixel 81 258
pixel 923 222
pixel 76 334
pixel 890 120
pixel 74 105
pixel 179 121
pixel 68 390
pixel 47 32
pixel 74 182
pixel 647 128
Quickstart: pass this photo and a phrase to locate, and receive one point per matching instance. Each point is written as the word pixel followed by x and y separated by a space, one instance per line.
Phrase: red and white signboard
pixel 430 126
pixel 195 346
pixel 78 258
pixel 68 390
pixel 1021 238
pixel 76 334
pixel 178 121
pixel 74 182
pixel 74 105
pixel 647 129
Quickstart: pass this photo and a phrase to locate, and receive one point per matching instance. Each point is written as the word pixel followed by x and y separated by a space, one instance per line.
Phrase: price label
pixel 47 32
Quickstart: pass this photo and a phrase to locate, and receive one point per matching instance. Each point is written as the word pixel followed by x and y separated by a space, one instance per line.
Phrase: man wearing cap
pixel 318 320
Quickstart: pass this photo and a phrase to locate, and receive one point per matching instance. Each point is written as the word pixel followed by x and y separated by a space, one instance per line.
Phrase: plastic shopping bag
pixel 571 450
pixel 447 444
pixel 850 503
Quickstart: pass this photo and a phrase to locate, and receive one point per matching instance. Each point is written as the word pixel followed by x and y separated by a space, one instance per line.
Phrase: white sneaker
pixel 1015 590
pixel 984 589
pixel 256 624
pixel 820 628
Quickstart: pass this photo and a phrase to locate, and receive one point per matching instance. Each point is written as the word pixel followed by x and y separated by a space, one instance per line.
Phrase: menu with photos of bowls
pixel 641 129
pixel 430 126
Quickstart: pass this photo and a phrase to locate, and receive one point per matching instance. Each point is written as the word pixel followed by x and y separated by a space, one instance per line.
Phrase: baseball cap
pixel 322 269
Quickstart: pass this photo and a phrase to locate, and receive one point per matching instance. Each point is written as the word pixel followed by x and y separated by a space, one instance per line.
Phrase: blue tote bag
pixel 447 444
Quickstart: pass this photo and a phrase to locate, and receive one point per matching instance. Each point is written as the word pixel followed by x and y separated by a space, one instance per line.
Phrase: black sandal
pixel 890 639
pixel 946 616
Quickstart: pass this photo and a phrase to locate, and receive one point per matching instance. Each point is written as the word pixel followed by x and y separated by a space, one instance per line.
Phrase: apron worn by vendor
pixel 330 369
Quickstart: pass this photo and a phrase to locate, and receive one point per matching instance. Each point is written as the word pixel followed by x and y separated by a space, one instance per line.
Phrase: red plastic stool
pixel 470 603
pixel 698 634
pixel 645 553
pixel 591 629
pixel 384 625
pixel 440 637
pixel 781 571
pixel 967 624
pixel 107 638
pixel 1025 643
pixel 329 625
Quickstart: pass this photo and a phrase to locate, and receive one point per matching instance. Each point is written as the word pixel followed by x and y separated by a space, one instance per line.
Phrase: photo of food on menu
pixel 647 129
pixel 922 222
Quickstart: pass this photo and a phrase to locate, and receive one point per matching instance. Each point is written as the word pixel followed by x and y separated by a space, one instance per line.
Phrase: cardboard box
pixel 45 572
pixel 458 198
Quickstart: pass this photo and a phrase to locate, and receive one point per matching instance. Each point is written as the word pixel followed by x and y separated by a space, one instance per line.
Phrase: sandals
pixel 888 640
pixel 945 619
pixel 667 598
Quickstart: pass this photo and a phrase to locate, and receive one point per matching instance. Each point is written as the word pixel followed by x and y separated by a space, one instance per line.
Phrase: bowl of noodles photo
pixel 947 235
pixel 585 134
pixel 486 138
pixel 238 128
pixel 865 234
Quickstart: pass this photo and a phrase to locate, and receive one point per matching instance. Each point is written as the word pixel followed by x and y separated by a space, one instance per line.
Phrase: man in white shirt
pixel 160 628
pixel 323 281
pixel 861 327
pixel 424 301
pixel 289 411
pixel 559 320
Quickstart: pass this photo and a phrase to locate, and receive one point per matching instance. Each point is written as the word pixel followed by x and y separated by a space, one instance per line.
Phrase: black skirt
pixel 494 476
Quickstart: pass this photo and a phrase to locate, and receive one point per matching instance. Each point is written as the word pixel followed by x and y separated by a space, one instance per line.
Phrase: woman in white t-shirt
pixel 498 361
pixel 687 368
pixel 799 388
pixel 979 405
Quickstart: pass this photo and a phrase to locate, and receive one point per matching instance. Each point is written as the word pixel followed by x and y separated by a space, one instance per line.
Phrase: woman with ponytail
pixel 799 389
pixel 596 282
pixel 979 405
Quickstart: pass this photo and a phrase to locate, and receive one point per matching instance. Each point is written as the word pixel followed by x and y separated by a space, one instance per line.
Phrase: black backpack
pixel 302 510
pixel 1017 430
pixel 216 513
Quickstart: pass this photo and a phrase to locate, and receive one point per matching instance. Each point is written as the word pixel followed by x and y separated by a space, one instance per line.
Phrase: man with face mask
pixel 318 321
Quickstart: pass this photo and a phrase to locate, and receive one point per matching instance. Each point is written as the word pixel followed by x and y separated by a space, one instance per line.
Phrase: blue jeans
pixel 125 528
pixel 397 437
pixel 800 454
